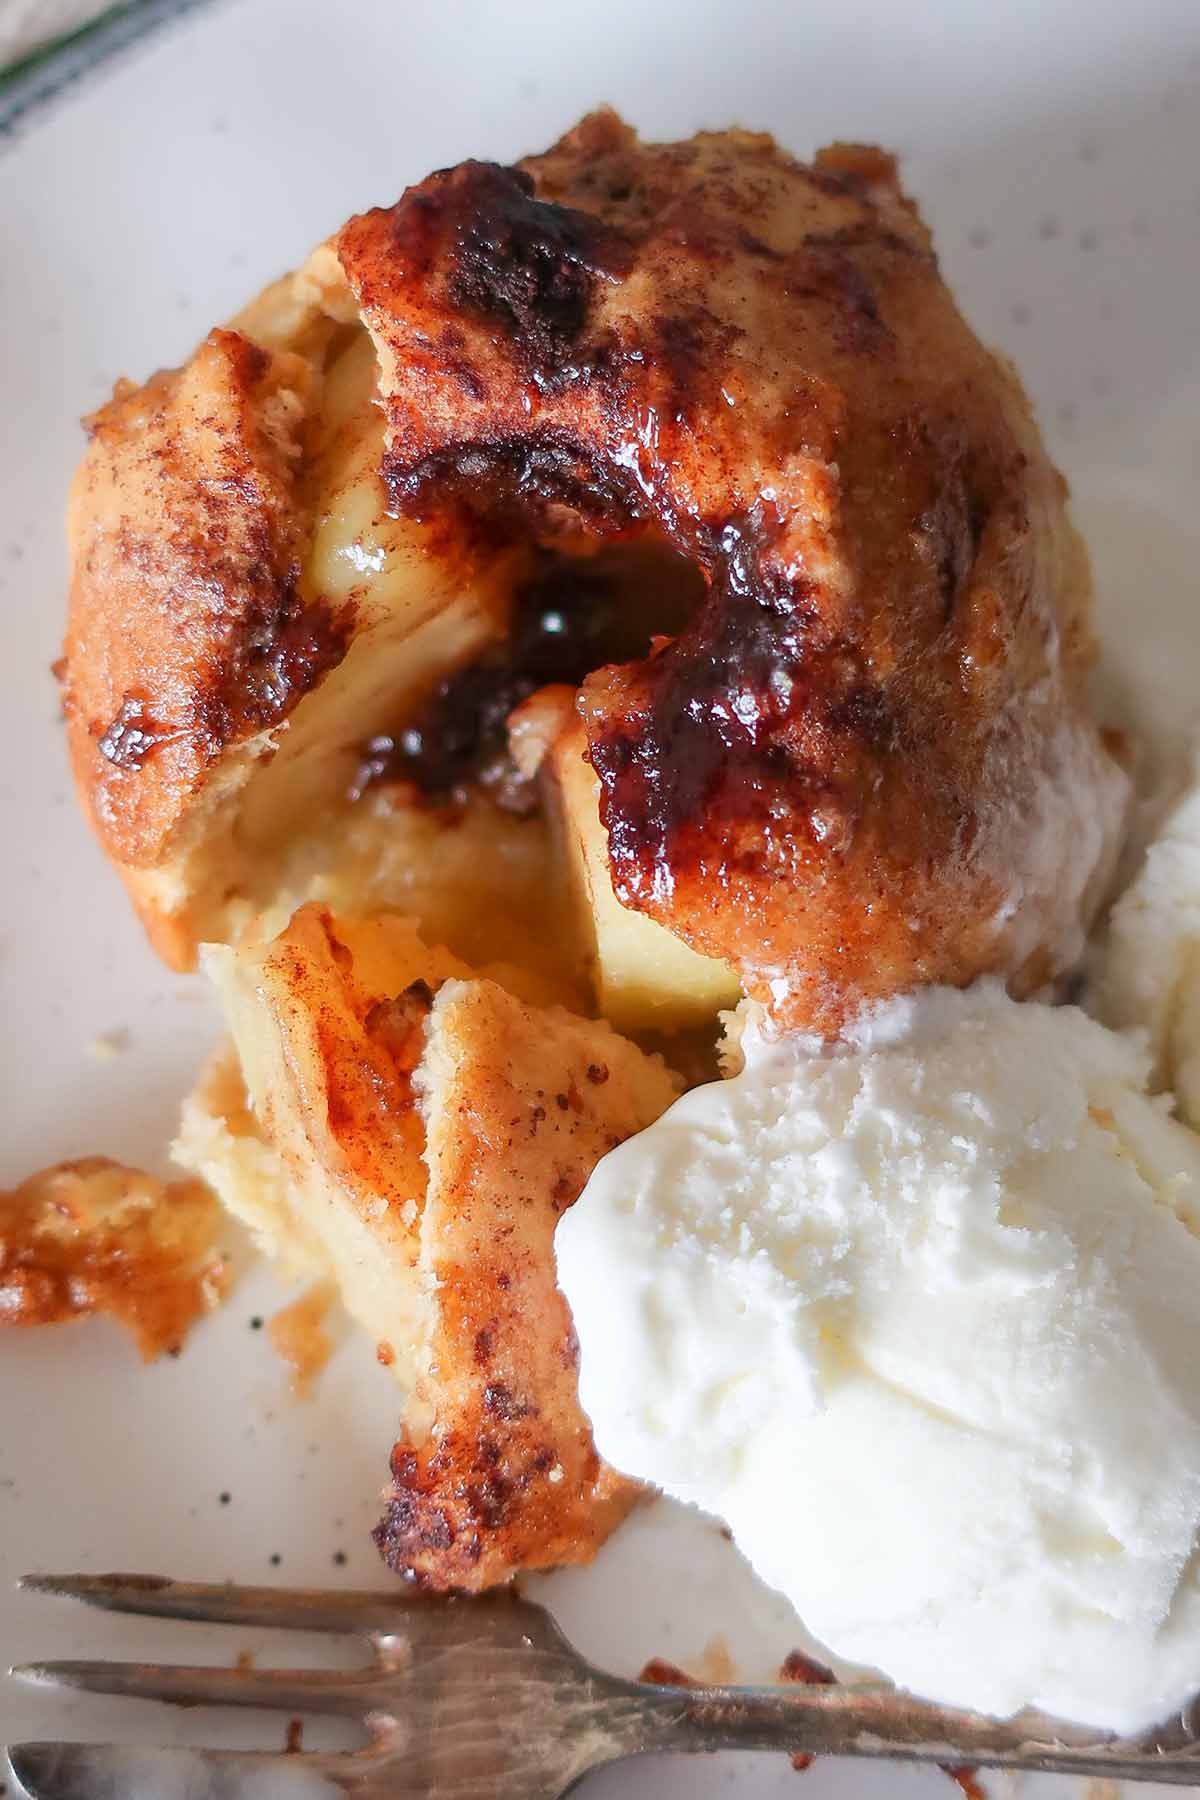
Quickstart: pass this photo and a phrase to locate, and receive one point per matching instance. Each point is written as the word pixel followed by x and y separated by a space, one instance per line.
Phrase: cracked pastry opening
pixel 414 703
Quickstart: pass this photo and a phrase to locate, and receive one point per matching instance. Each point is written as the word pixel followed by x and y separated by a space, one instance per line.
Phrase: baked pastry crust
pixel 866 763
pixel 416 1133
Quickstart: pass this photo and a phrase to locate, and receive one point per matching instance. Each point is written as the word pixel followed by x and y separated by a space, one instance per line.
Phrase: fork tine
pixel 353 1691
pixel 126 1772
pixel 224 1603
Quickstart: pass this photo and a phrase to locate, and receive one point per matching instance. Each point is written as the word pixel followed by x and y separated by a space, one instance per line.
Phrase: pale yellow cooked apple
pixel 645 977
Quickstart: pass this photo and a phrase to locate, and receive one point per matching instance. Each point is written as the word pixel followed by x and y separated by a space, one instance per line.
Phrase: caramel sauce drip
pixel 298 1334
pixel 575 614
pixel 92 1236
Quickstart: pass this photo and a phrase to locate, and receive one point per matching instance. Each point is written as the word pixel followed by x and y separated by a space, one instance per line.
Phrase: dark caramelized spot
pixel 281 655
pixel 412 1524
pixel 489 1481
pixel 516 478
pixel 528 264
pixel 133 735
pixel 725 733
pixel 500 1400
pixel 686 344
pixel 573 616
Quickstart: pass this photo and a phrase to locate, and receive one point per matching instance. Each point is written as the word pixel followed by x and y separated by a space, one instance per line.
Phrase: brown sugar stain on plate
pixel 298 1334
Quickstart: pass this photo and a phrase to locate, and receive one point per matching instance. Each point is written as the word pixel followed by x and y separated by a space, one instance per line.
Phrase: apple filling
pixel 412 779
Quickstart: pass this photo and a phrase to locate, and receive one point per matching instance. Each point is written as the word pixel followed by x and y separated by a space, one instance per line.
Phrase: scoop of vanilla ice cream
pixel 919 1317
pixel 1150 966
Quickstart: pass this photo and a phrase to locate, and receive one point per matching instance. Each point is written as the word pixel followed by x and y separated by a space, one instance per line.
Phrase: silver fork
pixel 484 1699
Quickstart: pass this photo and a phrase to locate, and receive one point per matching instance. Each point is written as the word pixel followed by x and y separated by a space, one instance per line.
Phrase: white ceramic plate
pixel 1056 150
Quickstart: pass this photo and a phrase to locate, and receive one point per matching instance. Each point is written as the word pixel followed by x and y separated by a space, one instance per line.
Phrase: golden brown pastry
pixel 416 1132
pixel 520 1105
pixel 840 735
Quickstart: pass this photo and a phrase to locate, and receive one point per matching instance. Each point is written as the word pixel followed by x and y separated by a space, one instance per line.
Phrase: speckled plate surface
pixel 1057 153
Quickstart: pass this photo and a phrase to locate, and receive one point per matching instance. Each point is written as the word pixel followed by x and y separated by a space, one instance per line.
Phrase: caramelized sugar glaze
pixel 873 718
pixel 572 614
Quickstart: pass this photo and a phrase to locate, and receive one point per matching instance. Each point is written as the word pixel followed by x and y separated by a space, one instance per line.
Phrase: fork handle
pixel 879 1722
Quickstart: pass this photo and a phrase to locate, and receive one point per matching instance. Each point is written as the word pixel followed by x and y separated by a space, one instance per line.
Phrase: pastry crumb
pixel 299 1336
pixel 92 1236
